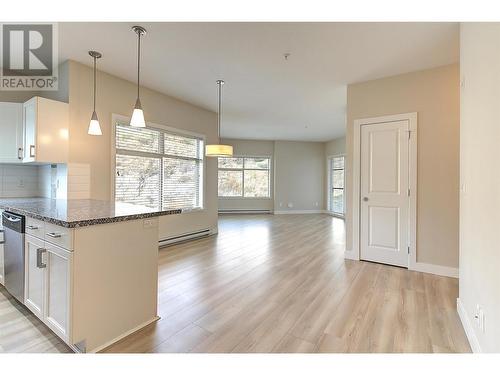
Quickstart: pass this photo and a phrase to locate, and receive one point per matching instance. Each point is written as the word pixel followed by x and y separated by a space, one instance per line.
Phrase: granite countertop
pixel 79 212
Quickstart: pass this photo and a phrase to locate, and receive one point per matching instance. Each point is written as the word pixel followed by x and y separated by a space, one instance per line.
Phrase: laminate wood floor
pixel 276 284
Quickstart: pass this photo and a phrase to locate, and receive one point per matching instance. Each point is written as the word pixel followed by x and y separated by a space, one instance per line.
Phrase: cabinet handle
pixel 32 227
pixel 54 235
pixel 20 153
pixel 39 253
pixel 32 151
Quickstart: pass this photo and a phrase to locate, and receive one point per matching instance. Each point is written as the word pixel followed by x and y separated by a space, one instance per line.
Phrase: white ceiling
pixel 265 97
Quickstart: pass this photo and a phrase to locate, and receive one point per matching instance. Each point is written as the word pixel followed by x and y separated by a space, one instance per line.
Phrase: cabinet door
pixel 57 279
pixel 11 130
pixel 29 128
pixel 34 283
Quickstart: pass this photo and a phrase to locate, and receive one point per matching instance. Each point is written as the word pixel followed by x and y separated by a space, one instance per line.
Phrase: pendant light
pixel 219 150
pixel 94 127
pixel 138 114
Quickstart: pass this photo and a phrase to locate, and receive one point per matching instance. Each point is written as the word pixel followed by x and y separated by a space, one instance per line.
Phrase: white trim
pixel 469 331
pixel 295 212
pixel 118 338
pixel 354 253
pixel 435 269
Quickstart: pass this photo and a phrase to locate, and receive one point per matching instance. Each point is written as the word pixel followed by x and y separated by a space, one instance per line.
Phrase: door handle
pixel 365 199
pixel 32 227
pixel 39 253
pixel 11 219
pixel 32 151
pixel 54 235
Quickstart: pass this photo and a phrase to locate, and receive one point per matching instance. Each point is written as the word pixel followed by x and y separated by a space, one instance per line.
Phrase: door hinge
pixel 408 192
pixel 409 134
pixel 408 249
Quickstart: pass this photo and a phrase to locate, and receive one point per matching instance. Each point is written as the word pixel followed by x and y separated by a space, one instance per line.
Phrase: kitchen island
pixel 91 267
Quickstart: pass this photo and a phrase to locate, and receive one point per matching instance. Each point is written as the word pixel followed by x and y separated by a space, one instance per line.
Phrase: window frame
pixel 124 120
pixel 330 185
pixel 270 178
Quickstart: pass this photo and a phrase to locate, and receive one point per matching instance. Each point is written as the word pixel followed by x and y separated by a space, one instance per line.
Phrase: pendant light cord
pixel 219 117
pixel 94 80
pixel 138 61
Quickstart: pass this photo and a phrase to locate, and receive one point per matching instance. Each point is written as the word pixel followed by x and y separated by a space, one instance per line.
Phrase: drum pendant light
pixel 218 150
pixel 138 114
pixel 94 127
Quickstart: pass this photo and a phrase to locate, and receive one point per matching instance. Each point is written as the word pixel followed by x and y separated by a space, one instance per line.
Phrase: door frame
pixel 411 117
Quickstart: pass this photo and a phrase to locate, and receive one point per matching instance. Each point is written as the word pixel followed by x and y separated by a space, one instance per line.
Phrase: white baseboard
pixel 116 339
pixel 232 212
pixel 349 254
pixel 435 269
pixel 295 212
pixel 469 331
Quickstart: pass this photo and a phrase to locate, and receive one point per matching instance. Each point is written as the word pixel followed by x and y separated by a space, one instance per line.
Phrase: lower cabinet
pixel 48 284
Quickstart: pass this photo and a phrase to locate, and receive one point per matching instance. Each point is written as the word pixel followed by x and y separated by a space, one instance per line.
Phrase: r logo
pixel 27 50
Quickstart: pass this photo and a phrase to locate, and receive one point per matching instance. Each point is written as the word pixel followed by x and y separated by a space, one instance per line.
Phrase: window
pixel 244 177
pixel 158 169
pixel 337 179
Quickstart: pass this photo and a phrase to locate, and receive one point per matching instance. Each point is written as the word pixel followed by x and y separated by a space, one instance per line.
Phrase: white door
pixel 34 275
pixel 29 127
pixel 11 132
pixel 384 193
pixel 57 290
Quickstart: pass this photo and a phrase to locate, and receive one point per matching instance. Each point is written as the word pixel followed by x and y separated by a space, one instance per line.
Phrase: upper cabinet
pixel 11 132
pixel 45 131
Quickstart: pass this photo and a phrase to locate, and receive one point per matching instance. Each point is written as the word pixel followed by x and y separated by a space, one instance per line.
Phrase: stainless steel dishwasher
pixel 13 227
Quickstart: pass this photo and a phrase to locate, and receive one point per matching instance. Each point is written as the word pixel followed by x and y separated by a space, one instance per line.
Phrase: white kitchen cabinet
pixel 45 131
pixel 11 132
pixel 34 279
pixel 57 291
pixel 48 284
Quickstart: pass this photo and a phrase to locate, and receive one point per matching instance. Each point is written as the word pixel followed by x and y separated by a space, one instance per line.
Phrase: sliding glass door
pixel 337 183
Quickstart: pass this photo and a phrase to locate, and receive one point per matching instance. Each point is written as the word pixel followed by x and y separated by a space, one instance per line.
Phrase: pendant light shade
pixel 218 150
pixel 94 127
pixel 137 119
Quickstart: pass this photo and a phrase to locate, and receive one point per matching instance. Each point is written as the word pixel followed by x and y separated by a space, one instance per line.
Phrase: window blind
pixel 158 169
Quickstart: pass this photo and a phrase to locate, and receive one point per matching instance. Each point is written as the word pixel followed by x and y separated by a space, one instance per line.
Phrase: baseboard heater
pixel 185 237
pixel 236 211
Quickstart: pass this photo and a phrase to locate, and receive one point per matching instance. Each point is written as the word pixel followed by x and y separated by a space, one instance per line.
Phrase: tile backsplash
pixel 20 181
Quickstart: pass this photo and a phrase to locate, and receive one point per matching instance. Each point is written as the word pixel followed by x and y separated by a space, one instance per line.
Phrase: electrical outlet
pixel 20 182
pixel 316 204
pixel 281 204
pixel 149 223
pixel 290 205
pixel 479 317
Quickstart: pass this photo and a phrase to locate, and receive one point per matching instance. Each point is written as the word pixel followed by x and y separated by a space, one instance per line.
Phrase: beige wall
pixel 117 96
pixel 299 175
pixel 480 179
pixel 335 147
pixel 434 94
pixel 243 147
